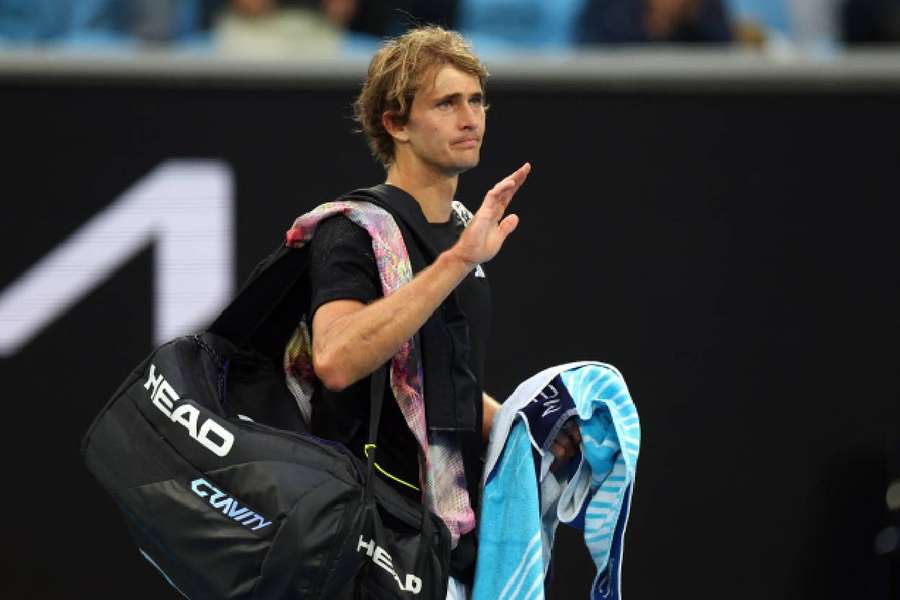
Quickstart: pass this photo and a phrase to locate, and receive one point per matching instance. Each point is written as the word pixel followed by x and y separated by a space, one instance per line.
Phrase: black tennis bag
pixel 227 495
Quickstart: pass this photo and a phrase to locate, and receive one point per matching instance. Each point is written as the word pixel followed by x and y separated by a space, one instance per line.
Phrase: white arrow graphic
pixel 185 208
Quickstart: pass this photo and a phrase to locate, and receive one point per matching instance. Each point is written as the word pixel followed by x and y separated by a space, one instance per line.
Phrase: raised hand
pixel 485 234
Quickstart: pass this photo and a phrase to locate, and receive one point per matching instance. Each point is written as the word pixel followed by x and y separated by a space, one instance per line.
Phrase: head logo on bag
pixel 150 465
pixel 164 398
pixel 381 558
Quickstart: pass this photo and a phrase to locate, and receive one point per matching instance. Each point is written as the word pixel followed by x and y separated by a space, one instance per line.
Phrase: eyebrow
pixel 456 96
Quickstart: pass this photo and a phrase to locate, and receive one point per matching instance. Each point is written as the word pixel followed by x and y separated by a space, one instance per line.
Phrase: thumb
pixel 508 225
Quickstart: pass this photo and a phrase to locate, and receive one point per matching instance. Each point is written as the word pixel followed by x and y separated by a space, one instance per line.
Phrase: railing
pixel 632 69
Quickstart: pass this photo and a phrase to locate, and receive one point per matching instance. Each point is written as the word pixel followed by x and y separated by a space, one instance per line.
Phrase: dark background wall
pixel 733 252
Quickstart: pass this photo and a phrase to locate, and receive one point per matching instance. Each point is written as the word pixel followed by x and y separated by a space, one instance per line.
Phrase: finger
pixel 576 436
pixel 566 442
pixel 502 194
pixel 517 177
pixel 558 451
pixel 521 174
pixel 573 430
pixel 503 186
pixel 497 199
pixel 560 455
pixel 499 196
pixel 508 225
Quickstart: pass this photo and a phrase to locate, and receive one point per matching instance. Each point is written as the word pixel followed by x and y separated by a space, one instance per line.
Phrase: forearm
pixel 353 340
pixel 354 345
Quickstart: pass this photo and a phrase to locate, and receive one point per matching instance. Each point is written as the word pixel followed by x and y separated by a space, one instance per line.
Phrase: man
pixel 654 21
pixel 422 108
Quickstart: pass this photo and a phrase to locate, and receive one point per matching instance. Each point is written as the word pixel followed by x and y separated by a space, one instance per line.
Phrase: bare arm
pixel 351 339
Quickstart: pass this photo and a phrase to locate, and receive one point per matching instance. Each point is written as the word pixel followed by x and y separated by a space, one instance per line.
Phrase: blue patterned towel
pixel 523 502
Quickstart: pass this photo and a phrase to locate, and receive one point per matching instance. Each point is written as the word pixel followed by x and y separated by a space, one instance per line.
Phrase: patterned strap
pixel 445 490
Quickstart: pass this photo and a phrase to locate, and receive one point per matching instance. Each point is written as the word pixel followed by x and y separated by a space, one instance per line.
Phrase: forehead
pixel 443 80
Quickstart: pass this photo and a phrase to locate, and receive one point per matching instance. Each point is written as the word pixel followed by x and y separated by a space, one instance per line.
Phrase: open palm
pixel 485 234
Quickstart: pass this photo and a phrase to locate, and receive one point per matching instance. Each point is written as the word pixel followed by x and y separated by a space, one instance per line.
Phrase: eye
pixel 445 104
pixel 476 101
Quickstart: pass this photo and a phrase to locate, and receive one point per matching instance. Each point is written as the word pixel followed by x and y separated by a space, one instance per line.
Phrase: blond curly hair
pixel 395 75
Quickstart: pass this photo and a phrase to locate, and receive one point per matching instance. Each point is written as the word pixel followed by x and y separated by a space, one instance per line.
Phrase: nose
pixel 469 117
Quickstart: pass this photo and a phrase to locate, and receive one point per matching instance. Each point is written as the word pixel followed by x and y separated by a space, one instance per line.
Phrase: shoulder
pixel 339 230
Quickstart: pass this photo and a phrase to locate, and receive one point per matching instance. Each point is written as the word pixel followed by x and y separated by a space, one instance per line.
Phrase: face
pixel 446 123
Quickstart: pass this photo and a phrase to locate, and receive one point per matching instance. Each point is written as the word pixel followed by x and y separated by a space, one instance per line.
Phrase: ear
pixel 391 124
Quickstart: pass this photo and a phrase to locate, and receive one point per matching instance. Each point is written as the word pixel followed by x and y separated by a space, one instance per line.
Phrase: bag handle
pixel 427 529
pixel 263 292
pixel 379 380
pixel 265 289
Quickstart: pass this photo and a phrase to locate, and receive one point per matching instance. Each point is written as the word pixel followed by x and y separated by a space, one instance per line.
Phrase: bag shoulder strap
pixel 263 292
pixel 268 285
pixel 266 288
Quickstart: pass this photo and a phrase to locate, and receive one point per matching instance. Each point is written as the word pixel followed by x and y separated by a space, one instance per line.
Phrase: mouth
pixel 467 142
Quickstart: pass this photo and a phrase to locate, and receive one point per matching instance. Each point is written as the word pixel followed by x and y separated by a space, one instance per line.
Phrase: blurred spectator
pixel 815 25
pixel 810 25
pixel 772 13
pixel 871 21
pixel 289 28
pixel 98 23
pixel 669 21
pixel 756 22
pixel 173 21
pixel 41 21
pixel 515 24
pixel 383 18
pixel 283 28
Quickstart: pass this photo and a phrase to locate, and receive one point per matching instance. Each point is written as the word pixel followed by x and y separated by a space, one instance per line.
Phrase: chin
pixel 458 169
pixel 461 166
